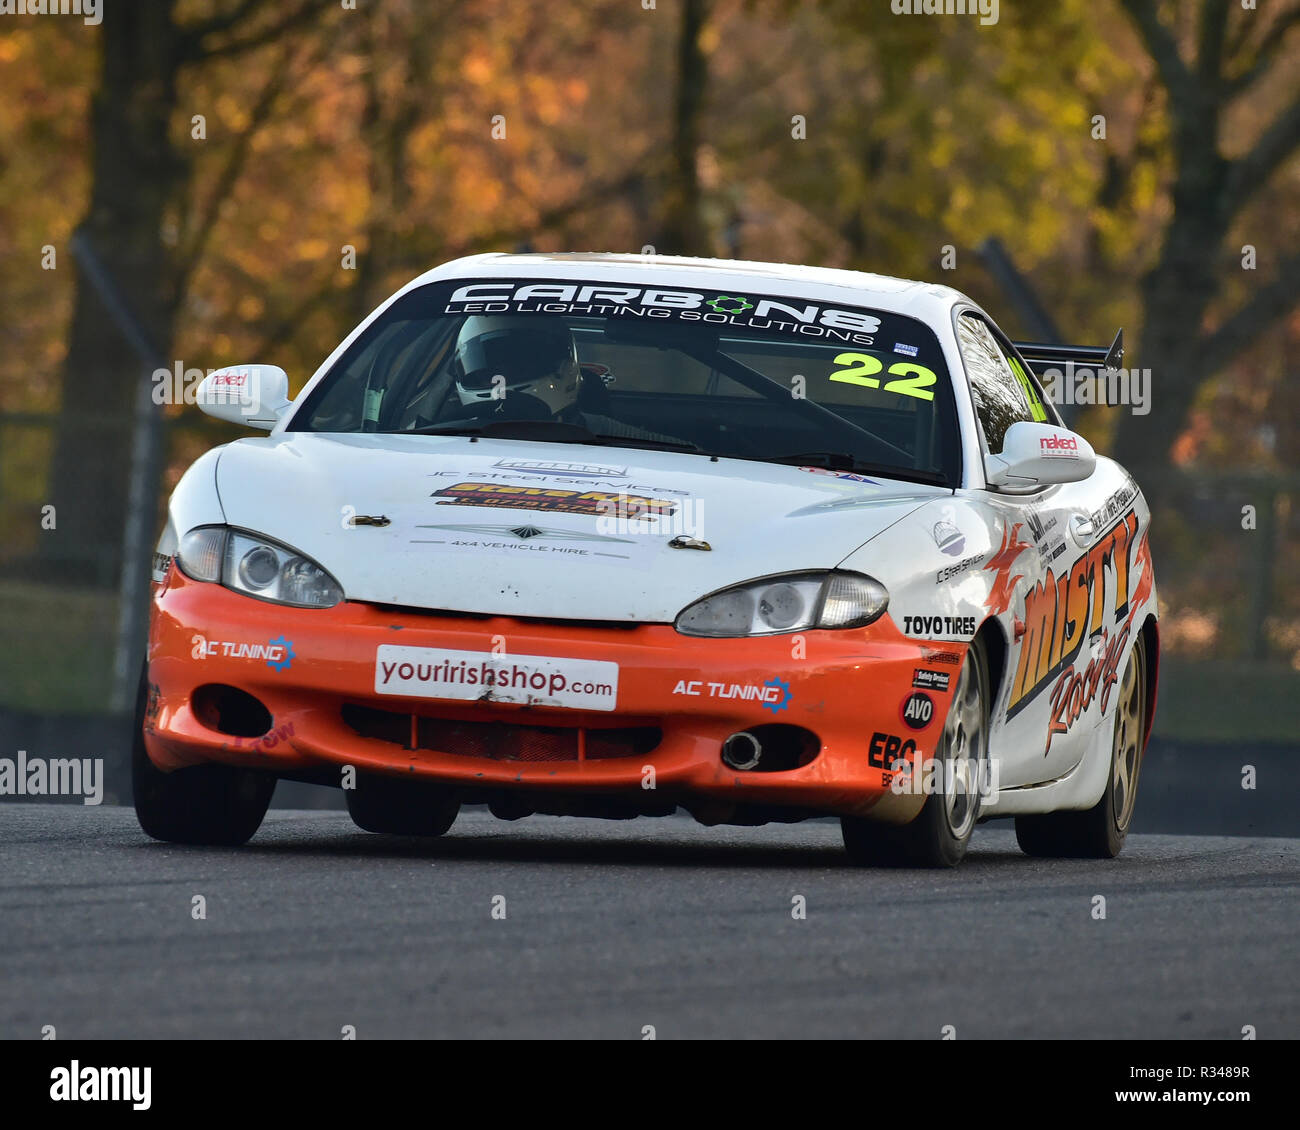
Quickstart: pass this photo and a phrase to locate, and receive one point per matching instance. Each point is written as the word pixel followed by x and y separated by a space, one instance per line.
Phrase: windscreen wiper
pixel 604 439
pixel 842 461
pixel 552 431
pixel 547 431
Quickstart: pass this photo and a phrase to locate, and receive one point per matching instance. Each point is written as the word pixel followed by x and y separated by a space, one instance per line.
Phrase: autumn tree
pixel 139 221
pixel 1212 60
pixel 682 231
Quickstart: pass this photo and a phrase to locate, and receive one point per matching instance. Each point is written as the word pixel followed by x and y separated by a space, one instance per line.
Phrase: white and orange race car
pixel 613 535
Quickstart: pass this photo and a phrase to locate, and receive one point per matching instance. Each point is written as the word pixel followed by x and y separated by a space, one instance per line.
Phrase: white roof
pixel 927 301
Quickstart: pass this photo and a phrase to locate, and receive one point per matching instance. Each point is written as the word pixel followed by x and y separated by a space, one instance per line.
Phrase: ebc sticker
pixel 888 751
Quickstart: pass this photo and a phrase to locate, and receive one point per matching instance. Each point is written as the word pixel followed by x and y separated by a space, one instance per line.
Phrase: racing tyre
pixel 1099 833
pixel 400 807
pixel 206 804
pixel 939 835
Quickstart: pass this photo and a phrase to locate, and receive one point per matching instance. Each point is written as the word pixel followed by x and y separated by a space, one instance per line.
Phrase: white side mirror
pixel 1039 455
pixel 253 395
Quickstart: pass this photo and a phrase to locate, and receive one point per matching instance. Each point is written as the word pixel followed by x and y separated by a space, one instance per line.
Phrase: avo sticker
pixel 918 710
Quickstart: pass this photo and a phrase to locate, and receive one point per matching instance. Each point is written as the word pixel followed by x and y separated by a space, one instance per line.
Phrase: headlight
pixel 255 565
pixel 199 553
pixel 791 603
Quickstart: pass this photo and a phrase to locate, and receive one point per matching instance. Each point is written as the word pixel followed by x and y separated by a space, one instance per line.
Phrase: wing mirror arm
pixel 997 473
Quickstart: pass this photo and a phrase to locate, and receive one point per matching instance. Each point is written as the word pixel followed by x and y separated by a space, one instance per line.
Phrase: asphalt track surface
pixel 609 927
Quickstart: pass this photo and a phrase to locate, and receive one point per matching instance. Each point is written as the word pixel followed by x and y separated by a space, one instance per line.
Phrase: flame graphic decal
pixel 1004 584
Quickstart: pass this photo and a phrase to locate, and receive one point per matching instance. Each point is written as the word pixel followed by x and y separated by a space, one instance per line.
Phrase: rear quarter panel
pixel 1064 606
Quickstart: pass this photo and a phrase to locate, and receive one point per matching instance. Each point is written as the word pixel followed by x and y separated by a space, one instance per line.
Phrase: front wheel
pixel 205 804
pixel 1100 832
pixel 941 832
pixel 400 807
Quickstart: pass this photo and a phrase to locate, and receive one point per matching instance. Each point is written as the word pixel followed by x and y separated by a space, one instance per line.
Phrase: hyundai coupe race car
pixel 611 535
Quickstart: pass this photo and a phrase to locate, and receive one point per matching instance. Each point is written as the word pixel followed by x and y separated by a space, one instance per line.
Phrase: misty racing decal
pixel 1073 693
pixel 1061 613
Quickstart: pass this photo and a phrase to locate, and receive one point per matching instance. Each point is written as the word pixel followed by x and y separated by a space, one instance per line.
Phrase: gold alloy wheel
pixel 1126 756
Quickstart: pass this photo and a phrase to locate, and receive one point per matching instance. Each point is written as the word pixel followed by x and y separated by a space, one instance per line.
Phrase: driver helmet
pixel 536 356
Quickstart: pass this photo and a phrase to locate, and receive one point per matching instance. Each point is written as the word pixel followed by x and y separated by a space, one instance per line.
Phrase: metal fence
pixel 62 646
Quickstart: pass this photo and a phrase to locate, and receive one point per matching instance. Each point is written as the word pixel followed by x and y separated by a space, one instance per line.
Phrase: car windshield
pixel 744 376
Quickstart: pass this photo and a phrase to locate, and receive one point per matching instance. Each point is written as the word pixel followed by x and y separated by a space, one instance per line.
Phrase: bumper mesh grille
pixel 501 741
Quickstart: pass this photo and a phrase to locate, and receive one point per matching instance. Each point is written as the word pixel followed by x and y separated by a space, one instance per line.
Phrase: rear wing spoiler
pixel 1040 356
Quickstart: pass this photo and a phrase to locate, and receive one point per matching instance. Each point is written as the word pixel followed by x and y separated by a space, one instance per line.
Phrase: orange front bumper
pixel 310 668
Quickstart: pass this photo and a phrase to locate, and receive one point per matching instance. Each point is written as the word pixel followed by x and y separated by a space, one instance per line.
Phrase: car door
pixel 1036 538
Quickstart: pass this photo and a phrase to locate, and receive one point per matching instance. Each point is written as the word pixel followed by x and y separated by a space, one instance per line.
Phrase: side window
pixel 1002 395
pixel 1030 388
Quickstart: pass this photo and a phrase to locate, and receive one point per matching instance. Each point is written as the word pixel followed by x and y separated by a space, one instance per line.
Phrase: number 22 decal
pixel 860 369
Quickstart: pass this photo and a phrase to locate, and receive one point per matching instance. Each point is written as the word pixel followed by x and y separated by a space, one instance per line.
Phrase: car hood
pixel 514 528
